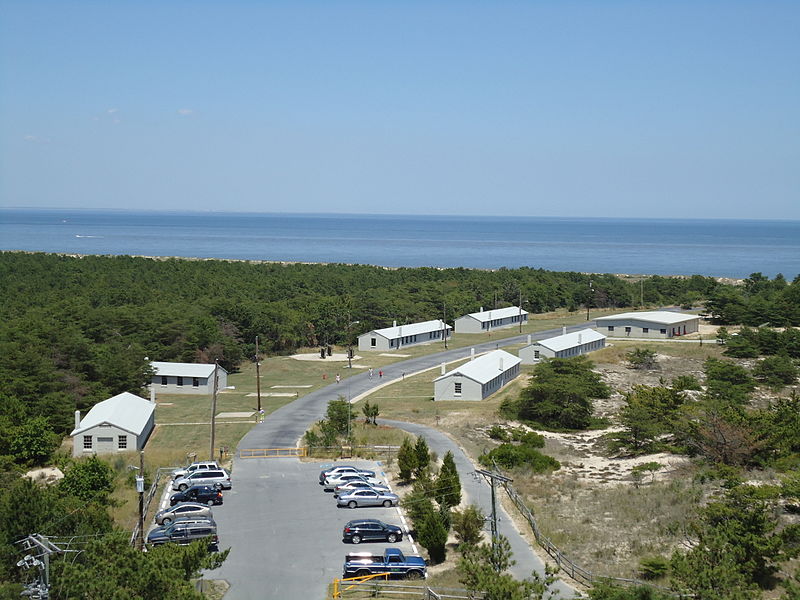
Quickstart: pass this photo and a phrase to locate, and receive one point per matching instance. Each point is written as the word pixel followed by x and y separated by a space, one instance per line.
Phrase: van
pixel 195 466
pixel 203 477
pixel 185 532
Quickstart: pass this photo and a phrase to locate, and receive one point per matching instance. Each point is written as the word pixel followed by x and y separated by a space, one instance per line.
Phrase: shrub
pixel 510 456
pixel 498 432
pixel 685 382
pixel 776 371
pixel 641 358
pixel 653 567
pixel 468 525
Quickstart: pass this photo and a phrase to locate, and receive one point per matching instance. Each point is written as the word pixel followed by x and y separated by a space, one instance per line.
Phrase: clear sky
pixel 548 108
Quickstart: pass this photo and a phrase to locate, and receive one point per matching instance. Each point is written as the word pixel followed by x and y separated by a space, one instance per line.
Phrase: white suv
pixel 195 466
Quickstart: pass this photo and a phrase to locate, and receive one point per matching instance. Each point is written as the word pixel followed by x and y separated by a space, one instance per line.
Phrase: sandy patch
pixel 45 474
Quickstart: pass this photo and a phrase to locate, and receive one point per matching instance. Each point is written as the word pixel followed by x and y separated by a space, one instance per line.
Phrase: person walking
pixel 370 372
pixel 380 374
pixel 338 378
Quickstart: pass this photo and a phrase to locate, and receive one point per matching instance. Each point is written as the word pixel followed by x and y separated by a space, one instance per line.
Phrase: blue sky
pixel 561 108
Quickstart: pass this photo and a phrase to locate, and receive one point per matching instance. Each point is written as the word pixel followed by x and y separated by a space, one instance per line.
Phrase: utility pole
pixel 492 477
pixel 589 299
pixel 641 292
pixel 41 548
pixel 444 324
pixel 214 406
pixel 520 310
pixel 140 489
pixel 258 379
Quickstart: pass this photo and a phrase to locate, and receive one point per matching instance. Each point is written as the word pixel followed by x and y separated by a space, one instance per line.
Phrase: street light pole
pixel 350 344
pixel 588 299
pixel 258 379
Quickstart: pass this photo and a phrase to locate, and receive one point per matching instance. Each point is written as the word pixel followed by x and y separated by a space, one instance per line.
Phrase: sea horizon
pixel 731 248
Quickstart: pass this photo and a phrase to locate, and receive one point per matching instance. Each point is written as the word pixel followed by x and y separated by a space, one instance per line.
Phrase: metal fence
pixel 301 451
pixel 161 472
pixel 399 591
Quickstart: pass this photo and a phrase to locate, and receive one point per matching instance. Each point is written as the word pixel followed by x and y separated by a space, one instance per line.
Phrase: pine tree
pixel 406 459
pixel 448 484
pixel 423 455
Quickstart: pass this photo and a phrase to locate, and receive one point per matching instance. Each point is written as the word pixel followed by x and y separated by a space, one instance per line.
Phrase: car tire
pixel 182 487
pixel 166 521
pixel 210 503
pixel 391 538
pixel 352 504
pixel 387 503
pixel 414 575
pixel 362 573
pixel 356 539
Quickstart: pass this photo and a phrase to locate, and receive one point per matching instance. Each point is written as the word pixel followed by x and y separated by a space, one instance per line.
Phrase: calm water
pixel 729 248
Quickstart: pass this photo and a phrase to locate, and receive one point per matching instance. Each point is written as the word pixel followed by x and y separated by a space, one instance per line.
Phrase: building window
pixel 87 442
pixel 645 329
pixel 163 380
pixel 611 328
pixel 195 382
pixel 105 440
pixel 664 331
pixel 627 330
pixel 535 354
pixel 458 388
pixel 123 442
pixel 180 381
pixel 373 342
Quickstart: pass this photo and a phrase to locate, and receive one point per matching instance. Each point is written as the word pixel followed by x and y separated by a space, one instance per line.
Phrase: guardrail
pixel 273 452
pixel 368 587
pixel 160 473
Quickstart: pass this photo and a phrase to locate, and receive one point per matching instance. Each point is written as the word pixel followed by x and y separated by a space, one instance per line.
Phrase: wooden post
pixel 214 407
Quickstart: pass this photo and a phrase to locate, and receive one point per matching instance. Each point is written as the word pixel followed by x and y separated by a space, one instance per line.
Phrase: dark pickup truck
pixel 359 564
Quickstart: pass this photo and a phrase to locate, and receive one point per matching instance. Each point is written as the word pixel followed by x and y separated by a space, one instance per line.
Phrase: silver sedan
pixel 184 509
pixel 352 486
pixel 367 498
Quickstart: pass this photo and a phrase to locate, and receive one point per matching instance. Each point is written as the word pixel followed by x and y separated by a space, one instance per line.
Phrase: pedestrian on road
pixel 260 415
pixel 370 372
pixel 338 378
pixel 380 374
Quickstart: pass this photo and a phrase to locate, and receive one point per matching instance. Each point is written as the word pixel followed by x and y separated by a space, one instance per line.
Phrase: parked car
pixel 371 530
pixel 346 488
pixel 342 469
pixel 392 561
pixel 205 494
pixel 332 482
pixel 367 498
pixel 195 466
pixel 185 533
pixel 203 477
pixel 184 509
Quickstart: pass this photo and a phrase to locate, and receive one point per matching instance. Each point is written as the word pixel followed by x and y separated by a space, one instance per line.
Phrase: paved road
pixel 279 534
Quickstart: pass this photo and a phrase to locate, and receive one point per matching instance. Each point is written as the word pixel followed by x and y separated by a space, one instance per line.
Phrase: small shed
pixel 489 320
pixel 187 378
pixel 118 424
pixel 477 379
pixel 397 336
pixel 659 324
pixel 563 346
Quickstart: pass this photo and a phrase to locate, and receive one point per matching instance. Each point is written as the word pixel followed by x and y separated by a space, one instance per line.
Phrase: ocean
pixel 723 248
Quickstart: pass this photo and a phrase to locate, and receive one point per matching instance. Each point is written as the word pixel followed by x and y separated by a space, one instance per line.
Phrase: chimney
pixel 394 323
pixel 400 331
pixel 501 363
pixel 481 309
pixel 579 339
pixel 442 368
pixel 529 339
pixel 77 419
pixel 564 330
pixel 153 394
pixel 472 353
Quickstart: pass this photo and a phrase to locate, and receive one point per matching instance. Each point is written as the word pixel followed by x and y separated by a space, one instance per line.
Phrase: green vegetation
pixel 560 395
pixel 760 300
pixel 642 358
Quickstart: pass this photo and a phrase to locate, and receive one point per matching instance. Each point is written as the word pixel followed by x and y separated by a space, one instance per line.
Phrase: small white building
pixel 489 320
pixel 477 379
pixel 187 378
pixel 660 324
pixel 397 336
pixel 563 346
pixel 121 423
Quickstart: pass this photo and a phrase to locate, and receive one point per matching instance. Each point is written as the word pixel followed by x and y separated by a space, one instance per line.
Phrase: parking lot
pixel 285 532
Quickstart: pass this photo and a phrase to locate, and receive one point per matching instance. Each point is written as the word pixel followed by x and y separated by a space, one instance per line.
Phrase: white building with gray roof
pixel 489 320
pixel 563 346
pixel 477 379
pixel 118 424
pixel 187 378
pixel 398 336
pixel 659 324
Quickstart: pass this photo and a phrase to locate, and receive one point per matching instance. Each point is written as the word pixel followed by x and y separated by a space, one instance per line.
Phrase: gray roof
pixel 665 317
pixel 485 368
pixel 408 329
pixel 570 340
pixel 126 411
pixel 184 369
pixel 498 313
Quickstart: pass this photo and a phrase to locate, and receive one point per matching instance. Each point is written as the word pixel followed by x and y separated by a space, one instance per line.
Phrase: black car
pixel 204 494
pixel 371 530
